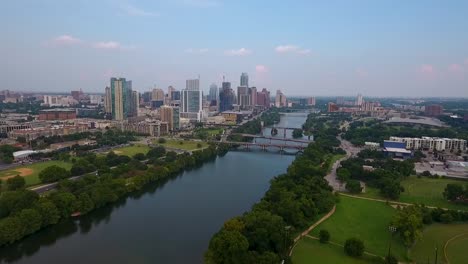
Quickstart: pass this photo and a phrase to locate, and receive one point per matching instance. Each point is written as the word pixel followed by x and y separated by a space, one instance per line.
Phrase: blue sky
pixel 377 48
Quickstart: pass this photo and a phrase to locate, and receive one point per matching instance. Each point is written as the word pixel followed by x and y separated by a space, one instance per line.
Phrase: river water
pixel 170 223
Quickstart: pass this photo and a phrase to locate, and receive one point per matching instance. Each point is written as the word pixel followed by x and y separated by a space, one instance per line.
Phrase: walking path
pixel 387 201
pixel 307 231
pixel 447 243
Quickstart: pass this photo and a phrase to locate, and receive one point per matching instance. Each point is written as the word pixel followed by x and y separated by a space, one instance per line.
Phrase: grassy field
pixel 312 251
pixel 366 220
pixel 436 235
pixel 183 144
pixel 31 172
pixel 132 150
pixel 423 190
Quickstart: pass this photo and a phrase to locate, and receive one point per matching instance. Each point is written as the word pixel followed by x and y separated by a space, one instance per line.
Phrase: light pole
pixel 391 229
pixel 435 261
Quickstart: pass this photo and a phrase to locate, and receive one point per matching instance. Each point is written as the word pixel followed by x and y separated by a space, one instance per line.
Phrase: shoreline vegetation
pixel 294 200
pixel 24 212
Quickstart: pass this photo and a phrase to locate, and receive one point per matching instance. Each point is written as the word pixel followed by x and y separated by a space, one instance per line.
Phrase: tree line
pixel 294 200
pixel 24 212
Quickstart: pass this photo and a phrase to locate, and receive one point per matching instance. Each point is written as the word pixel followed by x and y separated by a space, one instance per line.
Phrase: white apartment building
pixel 431 143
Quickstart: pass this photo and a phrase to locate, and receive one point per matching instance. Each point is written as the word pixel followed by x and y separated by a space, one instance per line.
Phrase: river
pixel 170 223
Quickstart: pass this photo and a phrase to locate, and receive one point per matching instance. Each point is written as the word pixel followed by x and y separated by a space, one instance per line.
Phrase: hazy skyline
pixel 377 48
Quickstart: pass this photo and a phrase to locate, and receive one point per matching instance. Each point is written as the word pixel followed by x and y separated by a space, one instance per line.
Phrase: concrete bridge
pixel 263 146
pixel 273 138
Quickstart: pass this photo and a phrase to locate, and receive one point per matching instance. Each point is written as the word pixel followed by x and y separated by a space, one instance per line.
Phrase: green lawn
pixel 183 144
pixel 132 150
pixel 436 235
pixel 366 220
pixel 312 251
pixel 34 170
pixel 423 190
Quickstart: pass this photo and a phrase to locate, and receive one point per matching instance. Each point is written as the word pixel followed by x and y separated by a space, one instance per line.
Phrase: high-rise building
pixel 175 95
pixel 192 101
pixel 135 103
pixel 146 97
pixel 311 101
pixel 157 95
pixel 243 96
pixel 108 100
pixel 332 107
pixel 213 95
pixel 226 97
pixel 340 100
pixel 192 85
pixel 170 90
pixel 359 100
pixel 280 100
pixel 263 98
pixel 170 115
pixel 244 79
pixel 121 99
pixel 253 96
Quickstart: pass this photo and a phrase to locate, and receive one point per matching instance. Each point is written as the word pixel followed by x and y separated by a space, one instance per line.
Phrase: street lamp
pixel 391 229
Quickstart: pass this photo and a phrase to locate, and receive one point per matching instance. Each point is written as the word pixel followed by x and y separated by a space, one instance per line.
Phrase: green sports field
pixel 366 220
pixel 31 172
pixel 132 150
pixel 437 235
pixel 183 144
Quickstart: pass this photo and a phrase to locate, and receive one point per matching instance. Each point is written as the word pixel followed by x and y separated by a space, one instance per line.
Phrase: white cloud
pixel 292 49
pixel 135 11
pixel 107 45
pixel 286 48
pixel 238 52
pixel 261 69
pixel 196 51
pixel 63 40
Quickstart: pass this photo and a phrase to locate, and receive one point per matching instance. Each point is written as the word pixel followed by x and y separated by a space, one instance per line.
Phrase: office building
pixel 170 90
pixel 213 95
pixel 263 98
pixel 227 97
pixel 340 100
pixel 280 100
pixel 192 85
pixel 332 107
pixel 311 101
pixel 359 100
pixel 243 96
pixel 157 95
pixel 253 96
pixel 433 110
pixel 192 101
pixel 57 114
pixel 175 95
pixel 170 115
pixel 244 79
pixel 108 100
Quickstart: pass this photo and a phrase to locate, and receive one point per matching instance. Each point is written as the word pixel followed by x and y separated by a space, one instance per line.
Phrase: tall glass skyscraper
pixel 123 100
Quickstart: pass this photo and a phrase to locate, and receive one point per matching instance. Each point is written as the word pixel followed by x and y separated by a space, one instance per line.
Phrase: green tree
pixel 139 156
pixel 15 183
pixel 48 211
pixel 297 133
pixel 409 224
pixel 227 247
pixel 53 173
pixel 171 156
pixel 343 174
pixel 65 202
pixel 391 259
pixel 15 201
pixel 354 247
pixel 353 186
pixel 156 152
pixel 162 140
pixel 30 220
pixel 10 230
pixel 85 203
pixel 453 191
pixel 324 236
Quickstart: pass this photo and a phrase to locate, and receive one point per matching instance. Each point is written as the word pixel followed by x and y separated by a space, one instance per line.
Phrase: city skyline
pixel 390 49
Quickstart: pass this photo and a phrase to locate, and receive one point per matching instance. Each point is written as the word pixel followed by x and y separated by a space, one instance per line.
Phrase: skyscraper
pixel 359 100
pixel 253 96
pixel 170 89
pixel 243 96
pixel 213 95
pixel 192 101
pixel 170 115
pixel 226 97
pixel 157 95
pixel 121 99
pixel 263 98
pixel 192 85
pixel 244 79
pixel 108 100
pixel 280 100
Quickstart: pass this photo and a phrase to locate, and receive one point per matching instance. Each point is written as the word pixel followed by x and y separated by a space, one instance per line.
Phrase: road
pixel 331 177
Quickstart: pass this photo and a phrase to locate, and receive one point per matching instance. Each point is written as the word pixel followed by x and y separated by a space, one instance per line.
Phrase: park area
pixel 363 219
pixel 450 240
pixel 132 150
pixel 183 144
pixel 424 190
pixel 31 172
